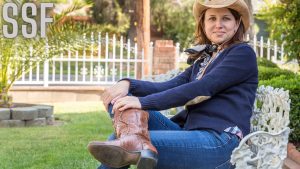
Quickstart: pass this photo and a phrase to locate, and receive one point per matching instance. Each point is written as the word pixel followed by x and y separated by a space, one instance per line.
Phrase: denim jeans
pixel 187 149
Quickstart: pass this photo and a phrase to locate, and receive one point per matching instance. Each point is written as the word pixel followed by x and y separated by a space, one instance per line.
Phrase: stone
pixel 12 123
pixel 44 111
pixel 35 122
pixel 4 114
pixel 50 120
pixel 24 113
pixel 50 111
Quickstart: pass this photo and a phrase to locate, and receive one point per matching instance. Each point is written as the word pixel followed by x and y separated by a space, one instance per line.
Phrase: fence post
pixel 269 49
pixel 282 52
pixel 254 43
pixel 177 55
pixel 46 73
pixel 150 61
pixel 275 51
pixel 30 64
pixel 121 57
pixel 143 64
pixel 46 66
pixel 261 46
pixel 113 70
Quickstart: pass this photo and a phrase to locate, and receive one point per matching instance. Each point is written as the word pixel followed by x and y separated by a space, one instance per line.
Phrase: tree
pixel 251 30
pixel 284 24
pixel 109 13
pixel 174 20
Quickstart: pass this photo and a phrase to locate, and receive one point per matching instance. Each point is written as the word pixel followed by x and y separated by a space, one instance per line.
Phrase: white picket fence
pixel 264 49
pixel 106 60
pixel 269 50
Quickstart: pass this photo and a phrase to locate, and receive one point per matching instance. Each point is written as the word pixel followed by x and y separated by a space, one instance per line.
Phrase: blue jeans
pixel 187 149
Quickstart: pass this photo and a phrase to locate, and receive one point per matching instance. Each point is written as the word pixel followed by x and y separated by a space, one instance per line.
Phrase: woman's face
pixel 219 25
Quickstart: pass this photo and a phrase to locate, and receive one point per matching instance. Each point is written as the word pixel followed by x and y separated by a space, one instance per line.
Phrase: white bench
pixel 266 146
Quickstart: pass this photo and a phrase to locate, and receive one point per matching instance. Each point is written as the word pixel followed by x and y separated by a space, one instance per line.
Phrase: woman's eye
pixel 226 18
pixel 212 19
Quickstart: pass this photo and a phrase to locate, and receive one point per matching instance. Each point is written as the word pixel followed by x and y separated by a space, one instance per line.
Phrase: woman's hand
pixel 126 103
pixel 117 91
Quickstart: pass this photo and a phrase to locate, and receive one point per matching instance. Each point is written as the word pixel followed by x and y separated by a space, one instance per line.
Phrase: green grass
pixel 56 147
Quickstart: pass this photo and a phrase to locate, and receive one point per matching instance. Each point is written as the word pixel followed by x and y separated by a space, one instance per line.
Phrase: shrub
pixel 266 73
pixel 293 85
pixel 265 62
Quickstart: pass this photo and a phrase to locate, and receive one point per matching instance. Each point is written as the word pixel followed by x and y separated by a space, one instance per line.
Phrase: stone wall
pixel 22 115
pixel 164 56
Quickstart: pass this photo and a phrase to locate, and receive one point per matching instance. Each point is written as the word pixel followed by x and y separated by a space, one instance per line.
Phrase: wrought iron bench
pixel 266 146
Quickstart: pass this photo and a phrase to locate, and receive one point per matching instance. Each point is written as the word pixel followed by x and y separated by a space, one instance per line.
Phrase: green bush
pixel 265 62
pixel 293 85
pixel 266 73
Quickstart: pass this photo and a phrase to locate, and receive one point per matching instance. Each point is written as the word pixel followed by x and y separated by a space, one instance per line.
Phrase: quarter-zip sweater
pixel 228 85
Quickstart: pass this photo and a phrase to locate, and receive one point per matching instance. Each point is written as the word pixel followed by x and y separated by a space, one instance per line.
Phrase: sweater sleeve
pixel 141 88
pixel 238 65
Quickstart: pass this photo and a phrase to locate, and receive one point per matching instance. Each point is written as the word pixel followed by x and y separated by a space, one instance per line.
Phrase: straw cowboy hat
pixel 238 5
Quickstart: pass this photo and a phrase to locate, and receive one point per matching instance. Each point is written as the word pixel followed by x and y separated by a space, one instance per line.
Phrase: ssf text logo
pixel 12 8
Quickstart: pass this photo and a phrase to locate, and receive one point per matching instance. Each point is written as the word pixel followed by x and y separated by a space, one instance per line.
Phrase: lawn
pixel 56 147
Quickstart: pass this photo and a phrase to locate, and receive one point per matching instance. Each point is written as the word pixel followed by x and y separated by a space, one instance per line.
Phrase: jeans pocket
pixel 223 138
pixel 225 165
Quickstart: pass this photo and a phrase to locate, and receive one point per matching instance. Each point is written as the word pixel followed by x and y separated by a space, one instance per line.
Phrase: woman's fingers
pixel 116 98
pixel 126 103
pixel 126 106
pixel 117 91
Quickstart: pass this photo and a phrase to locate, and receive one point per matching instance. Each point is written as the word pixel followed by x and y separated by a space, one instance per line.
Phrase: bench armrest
pixel 261 150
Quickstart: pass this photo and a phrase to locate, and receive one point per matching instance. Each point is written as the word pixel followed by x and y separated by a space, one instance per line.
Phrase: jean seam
pixel 191 146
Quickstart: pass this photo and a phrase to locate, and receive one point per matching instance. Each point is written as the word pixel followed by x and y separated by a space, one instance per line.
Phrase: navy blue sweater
pixel 228 84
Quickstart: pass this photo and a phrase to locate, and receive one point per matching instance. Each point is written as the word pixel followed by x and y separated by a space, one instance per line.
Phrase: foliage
pixel 284 24
pixel 18 54
pixel 176 21
pixel 293 85
pixel 265 73
pixel 109 14
pixel 265 62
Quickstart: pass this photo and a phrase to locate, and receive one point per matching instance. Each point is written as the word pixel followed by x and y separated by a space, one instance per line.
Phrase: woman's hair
pixel 201 38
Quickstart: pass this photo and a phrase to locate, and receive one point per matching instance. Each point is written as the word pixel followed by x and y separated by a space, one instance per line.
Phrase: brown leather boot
pixel 133 145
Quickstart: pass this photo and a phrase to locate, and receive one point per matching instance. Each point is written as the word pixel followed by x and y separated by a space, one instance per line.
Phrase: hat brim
pixel 238 5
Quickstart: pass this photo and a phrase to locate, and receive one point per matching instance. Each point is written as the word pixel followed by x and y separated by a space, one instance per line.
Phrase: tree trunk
pixel 143 30
pixel 5 99
pixel 130 9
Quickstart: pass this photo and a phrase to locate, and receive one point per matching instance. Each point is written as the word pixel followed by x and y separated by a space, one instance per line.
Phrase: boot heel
pixel 148 160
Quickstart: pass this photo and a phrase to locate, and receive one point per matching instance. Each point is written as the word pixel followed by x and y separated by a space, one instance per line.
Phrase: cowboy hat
pixel 238 5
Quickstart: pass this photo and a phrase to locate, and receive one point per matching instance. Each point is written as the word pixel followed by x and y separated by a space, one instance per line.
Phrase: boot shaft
pixel 131 121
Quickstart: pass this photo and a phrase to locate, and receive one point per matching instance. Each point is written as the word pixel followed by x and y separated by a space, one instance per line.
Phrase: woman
pixel 218 91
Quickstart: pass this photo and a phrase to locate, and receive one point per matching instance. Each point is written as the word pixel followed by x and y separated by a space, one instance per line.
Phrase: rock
pixel 50 120
pixel 24 113
pixel 44 111
pixel 4 114
pixel 12 123
pixel 36 122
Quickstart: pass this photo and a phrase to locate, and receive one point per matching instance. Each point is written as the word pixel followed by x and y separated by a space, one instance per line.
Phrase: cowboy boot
pixel 132 145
